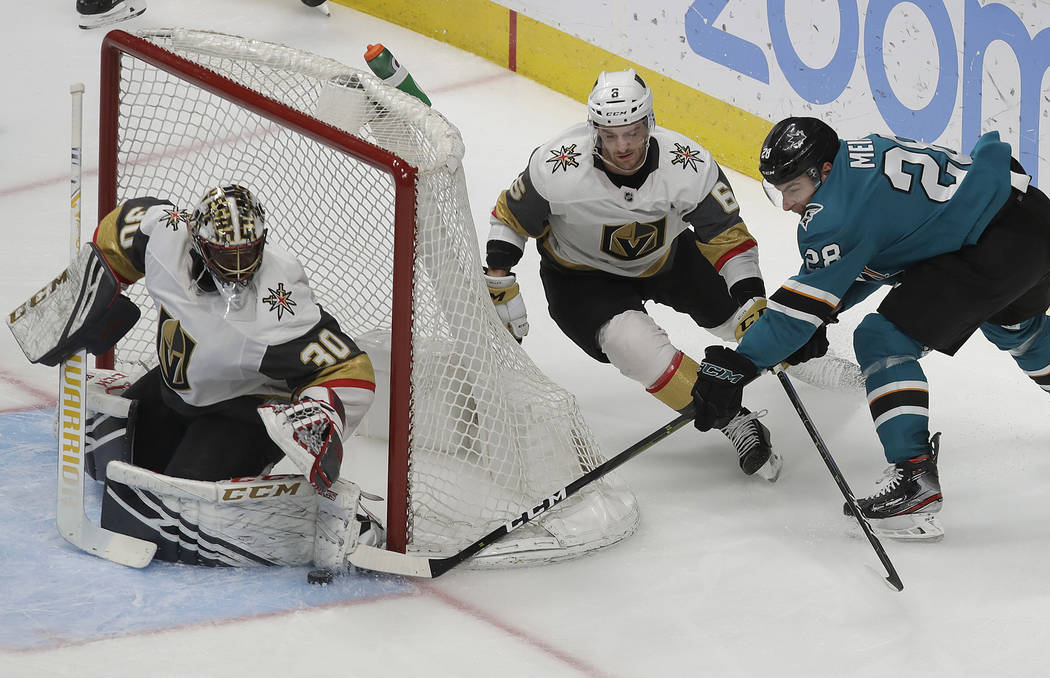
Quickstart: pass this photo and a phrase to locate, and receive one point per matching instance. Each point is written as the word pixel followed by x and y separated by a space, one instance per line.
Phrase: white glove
pixel 510 307
pixel 310 433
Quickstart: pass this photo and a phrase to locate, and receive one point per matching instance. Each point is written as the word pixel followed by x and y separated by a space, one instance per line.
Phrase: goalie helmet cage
pixel 365 184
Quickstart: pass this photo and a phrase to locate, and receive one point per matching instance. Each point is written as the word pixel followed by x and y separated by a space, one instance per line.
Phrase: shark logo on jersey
pixel 174 350
pixel 563 158
pixel 686 157
pixel 174 217
pixel 280 300
pixel 811 211
pixel 635 240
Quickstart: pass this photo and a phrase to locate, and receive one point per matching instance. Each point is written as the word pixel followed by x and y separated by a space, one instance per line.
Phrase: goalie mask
pixel 228 230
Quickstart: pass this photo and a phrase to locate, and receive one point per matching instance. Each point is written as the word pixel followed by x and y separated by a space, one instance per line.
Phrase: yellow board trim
pixel 568 65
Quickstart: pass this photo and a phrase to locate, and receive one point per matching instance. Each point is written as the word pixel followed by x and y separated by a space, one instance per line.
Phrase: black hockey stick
pixel 892 578
pixel 371 558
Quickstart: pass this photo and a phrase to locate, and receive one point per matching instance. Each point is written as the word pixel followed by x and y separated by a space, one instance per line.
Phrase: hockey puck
pixel 321 577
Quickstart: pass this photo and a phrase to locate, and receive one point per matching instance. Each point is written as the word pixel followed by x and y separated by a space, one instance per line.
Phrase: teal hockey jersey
pixel 887 204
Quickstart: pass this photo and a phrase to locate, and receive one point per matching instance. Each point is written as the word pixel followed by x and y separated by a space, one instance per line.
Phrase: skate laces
pixel 891 478
pixel 742 432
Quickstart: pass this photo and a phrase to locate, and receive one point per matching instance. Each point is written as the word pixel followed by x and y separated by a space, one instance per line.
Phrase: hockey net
pixel 365 184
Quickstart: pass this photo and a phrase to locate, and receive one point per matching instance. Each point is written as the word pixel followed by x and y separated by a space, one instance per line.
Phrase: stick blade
pixel 379 560
pixel 894 581
pixel 112 546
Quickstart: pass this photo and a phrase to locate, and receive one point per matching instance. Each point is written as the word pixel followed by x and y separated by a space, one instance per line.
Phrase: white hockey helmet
pixel 228 230
pixel 620 98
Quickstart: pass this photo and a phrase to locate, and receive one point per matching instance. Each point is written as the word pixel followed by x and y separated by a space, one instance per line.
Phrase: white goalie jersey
pixel 278 343
pixel 585 219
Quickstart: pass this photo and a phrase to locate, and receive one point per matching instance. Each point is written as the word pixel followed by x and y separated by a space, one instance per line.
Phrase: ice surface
pixel 727 576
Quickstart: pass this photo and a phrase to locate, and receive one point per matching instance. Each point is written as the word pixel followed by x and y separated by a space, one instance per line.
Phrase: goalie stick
pixel 372 558
pixel 892 578
pixel 73 523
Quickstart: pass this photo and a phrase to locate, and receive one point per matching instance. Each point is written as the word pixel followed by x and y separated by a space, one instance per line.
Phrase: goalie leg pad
pixel 109 429
pixel 108 436
pixel 244 522
pixel 81 308
pixel 337 525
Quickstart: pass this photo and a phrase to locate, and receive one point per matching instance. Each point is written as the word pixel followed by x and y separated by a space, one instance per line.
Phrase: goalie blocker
pixel 82 308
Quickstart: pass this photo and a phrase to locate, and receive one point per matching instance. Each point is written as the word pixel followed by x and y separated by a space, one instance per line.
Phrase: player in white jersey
pixel 234 327
pixel 250 369
pixel 626 212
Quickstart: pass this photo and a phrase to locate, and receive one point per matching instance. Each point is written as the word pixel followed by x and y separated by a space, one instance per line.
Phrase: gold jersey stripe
pixel 358 368
pixel 107 237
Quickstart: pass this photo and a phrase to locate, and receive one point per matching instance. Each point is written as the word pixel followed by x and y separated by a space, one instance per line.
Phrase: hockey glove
pixel 719 387
pixel 750 311
pixel 509 305
pixel 815 347
pixel 310 433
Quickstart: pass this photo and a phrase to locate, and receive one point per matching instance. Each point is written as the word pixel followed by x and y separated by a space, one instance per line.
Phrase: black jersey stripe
pixel 898 398
pixel 804 303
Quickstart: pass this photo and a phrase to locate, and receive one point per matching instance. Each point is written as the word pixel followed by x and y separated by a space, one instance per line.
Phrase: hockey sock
pixel 1029 345
pixel 898 394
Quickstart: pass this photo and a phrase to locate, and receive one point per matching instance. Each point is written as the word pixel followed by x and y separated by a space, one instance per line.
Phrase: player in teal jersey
pixel 963 239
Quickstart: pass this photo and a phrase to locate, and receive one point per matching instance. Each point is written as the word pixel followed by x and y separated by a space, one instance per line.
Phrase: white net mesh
pixel 489 435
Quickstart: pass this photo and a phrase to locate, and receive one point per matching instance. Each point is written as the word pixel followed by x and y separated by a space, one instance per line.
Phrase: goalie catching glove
pixel 510 307
pixel 310 433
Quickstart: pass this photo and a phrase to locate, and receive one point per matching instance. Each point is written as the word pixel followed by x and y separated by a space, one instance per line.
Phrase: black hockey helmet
pixel 794 146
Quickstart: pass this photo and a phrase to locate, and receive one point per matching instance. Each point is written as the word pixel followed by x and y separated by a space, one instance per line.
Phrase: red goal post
pixel 366 185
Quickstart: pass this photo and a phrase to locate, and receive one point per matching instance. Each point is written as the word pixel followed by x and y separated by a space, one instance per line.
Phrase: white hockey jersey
pixel 586 219
pixel 278 344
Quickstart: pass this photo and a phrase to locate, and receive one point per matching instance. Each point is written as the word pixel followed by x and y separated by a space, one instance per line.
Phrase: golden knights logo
pixel 174 350
pixel 173 217
pixel 686 157
pixel 563 158
pixel 280 300
pixel 635 240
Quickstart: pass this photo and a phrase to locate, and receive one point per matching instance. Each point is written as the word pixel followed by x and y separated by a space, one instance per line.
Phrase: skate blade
pixel 912 527
pixel 771 469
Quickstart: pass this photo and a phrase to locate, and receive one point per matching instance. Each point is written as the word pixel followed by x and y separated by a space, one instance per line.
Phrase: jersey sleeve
pixel 803 304
pixel 723 239
pixel 122 234
pixel 521 212
pixel 322 356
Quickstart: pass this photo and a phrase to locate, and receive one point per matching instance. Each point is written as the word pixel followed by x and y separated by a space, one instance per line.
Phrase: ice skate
pixel 906 499
pixel 94 13
pixel 754 449
pixel 320 5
